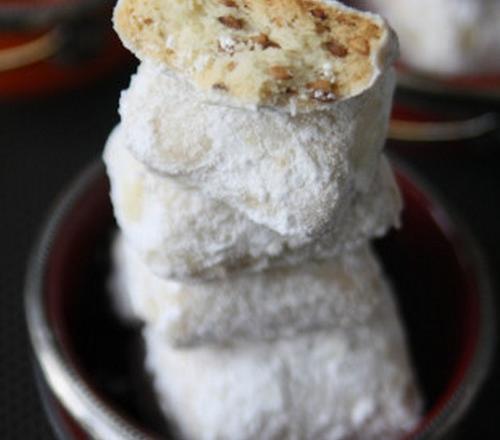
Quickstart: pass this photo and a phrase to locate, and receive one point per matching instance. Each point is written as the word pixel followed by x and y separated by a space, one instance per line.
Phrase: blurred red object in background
pixel 53 45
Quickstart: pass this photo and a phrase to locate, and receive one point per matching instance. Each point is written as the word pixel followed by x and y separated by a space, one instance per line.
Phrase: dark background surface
pixel 44 143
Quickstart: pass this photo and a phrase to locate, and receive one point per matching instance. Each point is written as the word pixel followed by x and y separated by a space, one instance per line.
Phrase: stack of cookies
pixel 248 179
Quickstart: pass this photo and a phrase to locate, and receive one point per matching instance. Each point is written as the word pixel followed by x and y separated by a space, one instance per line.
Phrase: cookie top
pixel 300 53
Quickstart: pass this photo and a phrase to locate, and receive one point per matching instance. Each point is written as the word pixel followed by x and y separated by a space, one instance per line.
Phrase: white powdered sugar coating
pixel 446 36
pixel 276 303
pixel 293 174
pixel 181 233
pixel 247 177
pixel 351 383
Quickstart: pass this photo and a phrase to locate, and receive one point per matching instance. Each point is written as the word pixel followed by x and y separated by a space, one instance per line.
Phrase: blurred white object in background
pixel 445 37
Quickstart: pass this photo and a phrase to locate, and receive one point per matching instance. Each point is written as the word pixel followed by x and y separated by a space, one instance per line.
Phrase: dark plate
pixel 486 86
pixel 90 361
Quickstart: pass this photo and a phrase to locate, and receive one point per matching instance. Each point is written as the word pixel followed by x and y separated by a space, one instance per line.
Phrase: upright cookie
pixel 300 53
pixel 293 174
pixel 181 233
pixel 339 384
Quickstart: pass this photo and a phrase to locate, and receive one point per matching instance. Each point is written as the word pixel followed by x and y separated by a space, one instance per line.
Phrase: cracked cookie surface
pixel 298 53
